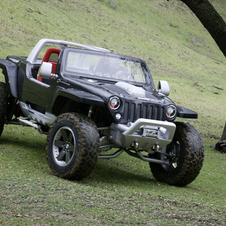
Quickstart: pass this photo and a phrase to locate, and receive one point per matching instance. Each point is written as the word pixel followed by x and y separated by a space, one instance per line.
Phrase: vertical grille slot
pixel 160 113
pixel 126 111
pixel 150 112
pixel 144 110
pixel 138 111
pixel 132 112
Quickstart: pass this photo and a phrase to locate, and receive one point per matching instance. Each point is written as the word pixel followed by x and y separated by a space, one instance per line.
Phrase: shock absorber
pixel 90 111
pixel 96 114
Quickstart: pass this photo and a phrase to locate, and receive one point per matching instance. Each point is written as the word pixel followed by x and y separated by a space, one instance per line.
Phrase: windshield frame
pixel 68 75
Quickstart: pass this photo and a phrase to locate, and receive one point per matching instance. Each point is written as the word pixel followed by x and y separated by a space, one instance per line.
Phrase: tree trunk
pixel 221 145
pixel 216 26
pixel 223 137
pixel 210 19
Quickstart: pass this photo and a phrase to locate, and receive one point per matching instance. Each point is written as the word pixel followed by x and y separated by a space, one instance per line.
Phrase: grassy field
pixel 120 191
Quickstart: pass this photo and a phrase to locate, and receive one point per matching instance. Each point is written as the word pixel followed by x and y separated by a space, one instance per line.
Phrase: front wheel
pixel 72 146
pixel 185 155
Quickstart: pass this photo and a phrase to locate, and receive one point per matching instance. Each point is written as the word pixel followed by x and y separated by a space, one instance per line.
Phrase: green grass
pixel 120 191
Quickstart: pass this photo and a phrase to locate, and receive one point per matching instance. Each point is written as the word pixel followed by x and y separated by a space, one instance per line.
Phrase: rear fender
pixel 10 70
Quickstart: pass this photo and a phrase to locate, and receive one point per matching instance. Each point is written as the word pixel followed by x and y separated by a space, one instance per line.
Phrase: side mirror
pixel 45 71
pixel 163 87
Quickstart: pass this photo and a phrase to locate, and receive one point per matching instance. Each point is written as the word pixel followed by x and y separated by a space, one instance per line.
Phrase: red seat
pixel 48 58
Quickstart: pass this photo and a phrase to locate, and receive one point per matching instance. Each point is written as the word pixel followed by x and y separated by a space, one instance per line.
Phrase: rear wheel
pixel 72 146
pixel 3 105
pixel 185 154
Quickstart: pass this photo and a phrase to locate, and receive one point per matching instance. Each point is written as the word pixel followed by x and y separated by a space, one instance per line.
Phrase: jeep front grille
pixel 133 111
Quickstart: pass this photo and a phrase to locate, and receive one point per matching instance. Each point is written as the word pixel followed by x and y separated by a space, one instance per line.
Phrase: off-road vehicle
pixel 93 104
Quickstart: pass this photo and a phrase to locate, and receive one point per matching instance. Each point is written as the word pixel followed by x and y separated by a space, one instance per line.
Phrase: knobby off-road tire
pixel 187 147
pixel 72 146
pixel 3 105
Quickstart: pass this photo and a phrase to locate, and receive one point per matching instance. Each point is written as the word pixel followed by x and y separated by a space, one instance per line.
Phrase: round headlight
pixel 114 103
pixel 171 111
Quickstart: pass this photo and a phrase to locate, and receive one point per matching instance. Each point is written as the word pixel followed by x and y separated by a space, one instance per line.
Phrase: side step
pixel 25 122
pixel 43 119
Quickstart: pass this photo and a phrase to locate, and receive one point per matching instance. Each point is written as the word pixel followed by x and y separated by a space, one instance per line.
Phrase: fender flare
pixel 186 113
pixel 79 96
pixel 10 72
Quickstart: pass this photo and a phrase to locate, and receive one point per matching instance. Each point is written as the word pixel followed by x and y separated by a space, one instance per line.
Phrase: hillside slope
pixel 165 34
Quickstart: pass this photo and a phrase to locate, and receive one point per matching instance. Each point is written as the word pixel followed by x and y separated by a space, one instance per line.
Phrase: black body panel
pixel 81 97
pixel 186 113
pixel 10 72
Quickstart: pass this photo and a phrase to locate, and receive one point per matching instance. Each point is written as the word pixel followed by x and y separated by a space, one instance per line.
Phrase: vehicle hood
pixel 125 91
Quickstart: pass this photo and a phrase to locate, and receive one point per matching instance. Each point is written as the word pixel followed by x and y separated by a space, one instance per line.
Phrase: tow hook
pixel 156 147
pixel 135 145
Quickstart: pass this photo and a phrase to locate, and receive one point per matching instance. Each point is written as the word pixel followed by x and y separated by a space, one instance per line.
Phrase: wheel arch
pixel 10 70
pixel 186 113
pixel 73 98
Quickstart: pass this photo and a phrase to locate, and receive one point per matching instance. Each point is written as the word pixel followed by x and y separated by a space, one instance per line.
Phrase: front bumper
pixel 143 134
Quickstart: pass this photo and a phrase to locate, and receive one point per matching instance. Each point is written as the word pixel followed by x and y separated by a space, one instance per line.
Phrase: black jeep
pixel 89 101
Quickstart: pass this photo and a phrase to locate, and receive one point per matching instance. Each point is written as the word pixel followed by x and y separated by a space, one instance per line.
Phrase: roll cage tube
pixel 32 58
